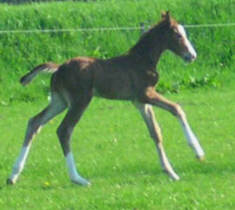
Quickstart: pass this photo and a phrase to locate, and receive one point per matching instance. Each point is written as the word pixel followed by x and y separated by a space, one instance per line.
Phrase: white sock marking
pixel 192 139
pixel 74 175
pixel 19 164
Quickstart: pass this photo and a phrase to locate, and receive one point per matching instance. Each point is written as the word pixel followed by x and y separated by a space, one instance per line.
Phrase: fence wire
pixel 101 29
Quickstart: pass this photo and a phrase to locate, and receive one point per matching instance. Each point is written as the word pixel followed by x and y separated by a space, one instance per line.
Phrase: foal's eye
pixel 178 36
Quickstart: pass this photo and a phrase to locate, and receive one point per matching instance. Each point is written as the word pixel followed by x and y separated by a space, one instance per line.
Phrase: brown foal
pixel 131 76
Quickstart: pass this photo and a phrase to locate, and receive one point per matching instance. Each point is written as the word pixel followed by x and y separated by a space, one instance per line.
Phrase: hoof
pixel 82 182
pixel 172 175
pixel 175 177
pixel 10 182
pixel 201 158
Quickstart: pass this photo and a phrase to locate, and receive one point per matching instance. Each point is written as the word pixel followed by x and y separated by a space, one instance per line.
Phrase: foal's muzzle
pixel 189 57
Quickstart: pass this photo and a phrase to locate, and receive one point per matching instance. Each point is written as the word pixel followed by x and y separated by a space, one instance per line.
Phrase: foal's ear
pixel 166 15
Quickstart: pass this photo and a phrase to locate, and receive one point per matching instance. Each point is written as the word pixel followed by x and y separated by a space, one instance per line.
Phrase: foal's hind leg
pixel 56 106
pixel 64 133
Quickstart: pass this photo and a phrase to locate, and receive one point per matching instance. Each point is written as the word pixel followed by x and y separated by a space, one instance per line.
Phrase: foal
pixel 131 76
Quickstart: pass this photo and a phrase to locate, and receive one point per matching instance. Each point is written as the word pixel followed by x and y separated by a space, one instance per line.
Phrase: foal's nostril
pixel 194 56
pixel 189 57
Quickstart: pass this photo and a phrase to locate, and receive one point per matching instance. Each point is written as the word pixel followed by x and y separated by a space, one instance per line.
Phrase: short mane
pixel 147 39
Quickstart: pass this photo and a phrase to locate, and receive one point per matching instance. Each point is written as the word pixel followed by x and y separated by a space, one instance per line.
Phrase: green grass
pixel 114 151
pixel 111 144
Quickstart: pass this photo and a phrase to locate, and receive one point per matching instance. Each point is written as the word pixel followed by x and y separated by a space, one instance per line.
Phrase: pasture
pixel 114 151
pixel 111 143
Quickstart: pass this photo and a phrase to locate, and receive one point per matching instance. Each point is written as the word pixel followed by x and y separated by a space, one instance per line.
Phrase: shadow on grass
pixel 129 173
pixel 141 170
pixel 208 168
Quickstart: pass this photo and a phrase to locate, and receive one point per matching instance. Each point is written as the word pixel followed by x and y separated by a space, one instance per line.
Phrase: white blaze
pixel 189 46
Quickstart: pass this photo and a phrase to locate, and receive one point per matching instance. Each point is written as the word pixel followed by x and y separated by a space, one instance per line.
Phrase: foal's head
pixel 176 39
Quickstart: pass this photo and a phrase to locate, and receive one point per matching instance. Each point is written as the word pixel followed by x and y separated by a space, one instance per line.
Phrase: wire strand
pixel 127 28
pixel 210 25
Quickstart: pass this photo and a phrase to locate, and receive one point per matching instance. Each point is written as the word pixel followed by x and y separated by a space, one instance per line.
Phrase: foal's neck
pixel 150 46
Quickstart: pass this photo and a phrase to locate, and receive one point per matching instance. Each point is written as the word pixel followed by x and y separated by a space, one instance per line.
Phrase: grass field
pixel 114 151
pixel 111 144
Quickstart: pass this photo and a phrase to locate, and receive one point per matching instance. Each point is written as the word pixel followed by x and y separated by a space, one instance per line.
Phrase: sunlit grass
pixel 111 144
pixel 114 151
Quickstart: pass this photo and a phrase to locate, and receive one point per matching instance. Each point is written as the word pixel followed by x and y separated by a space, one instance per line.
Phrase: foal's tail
pixel 45 67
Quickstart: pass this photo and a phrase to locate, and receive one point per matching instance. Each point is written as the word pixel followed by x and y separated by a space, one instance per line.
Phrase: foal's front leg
pixel 147 113
pixel 156 99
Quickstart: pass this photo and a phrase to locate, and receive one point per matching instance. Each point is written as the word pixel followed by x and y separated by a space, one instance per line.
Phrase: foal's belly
pixel 115 86
pixel 114 90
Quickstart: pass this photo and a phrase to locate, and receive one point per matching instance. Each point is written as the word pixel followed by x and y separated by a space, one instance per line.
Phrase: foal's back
pixel 123 77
